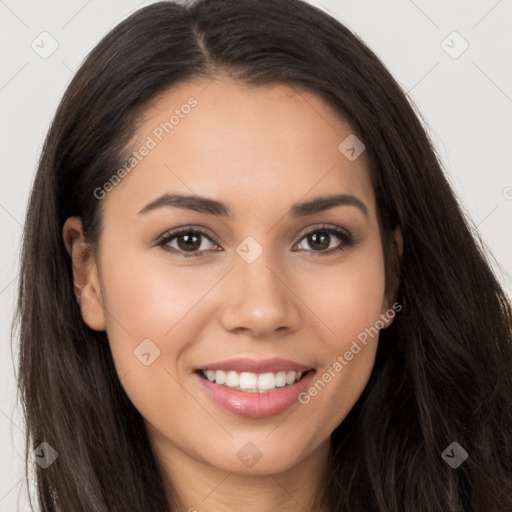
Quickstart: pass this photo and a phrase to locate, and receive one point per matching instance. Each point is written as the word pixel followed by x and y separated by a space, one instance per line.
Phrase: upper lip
pixel 239 365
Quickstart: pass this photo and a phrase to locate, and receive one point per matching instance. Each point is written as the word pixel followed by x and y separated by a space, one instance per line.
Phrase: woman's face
pixel 257 291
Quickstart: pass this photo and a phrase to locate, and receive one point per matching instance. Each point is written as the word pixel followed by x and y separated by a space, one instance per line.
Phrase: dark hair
pixel 443 368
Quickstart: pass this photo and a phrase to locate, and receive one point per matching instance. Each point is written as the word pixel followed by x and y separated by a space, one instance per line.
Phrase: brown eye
pixel 320 240
pixel 189 242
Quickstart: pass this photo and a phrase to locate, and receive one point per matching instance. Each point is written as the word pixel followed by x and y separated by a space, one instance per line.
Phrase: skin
pixel 260 150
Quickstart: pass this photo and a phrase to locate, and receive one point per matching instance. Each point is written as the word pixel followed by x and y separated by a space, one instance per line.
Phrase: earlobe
pixel 392 276
pixel 399 241
pixel 86 281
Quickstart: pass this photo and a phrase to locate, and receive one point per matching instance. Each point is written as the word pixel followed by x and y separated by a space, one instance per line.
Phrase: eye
pixel 188 241
pixel 319 240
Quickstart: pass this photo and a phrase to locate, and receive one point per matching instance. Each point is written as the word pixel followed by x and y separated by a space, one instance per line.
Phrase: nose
pixel 261 301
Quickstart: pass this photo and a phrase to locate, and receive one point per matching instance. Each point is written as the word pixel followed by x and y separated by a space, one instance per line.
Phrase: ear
pixel 398 241
pixel 85 274
pixel 396 250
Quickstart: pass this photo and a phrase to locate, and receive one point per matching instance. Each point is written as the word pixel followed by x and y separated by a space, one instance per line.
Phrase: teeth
pixel 232 380
pixel 252 382
pixel 280 379
pixel 266 381
pixel 248 381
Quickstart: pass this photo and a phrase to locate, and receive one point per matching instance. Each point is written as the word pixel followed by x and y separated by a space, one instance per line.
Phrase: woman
pixel 247 285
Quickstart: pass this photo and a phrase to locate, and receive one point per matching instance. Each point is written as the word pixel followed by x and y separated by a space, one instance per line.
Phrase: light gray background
pixel 465 101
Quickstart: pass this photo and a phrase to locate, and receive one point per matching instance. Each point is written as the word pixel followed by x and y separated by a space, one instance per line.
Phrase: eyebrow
pixel 218 208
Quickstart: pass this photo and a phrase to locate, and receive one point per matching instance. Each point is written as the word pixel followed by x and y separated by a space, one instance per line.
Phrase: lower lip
pixel 256 405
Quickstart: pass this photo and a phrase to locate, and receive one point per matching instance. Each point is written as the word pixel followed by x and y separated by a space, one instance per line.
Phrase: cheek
pixel 350 308
pixel 150 324
pixel 348 298
pixel 160 302
pixel 144 299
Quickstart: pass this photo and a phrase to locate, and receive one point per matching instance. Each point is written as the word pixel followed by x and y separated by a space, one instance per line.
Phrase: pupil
pixel 324 244
pixel 187 244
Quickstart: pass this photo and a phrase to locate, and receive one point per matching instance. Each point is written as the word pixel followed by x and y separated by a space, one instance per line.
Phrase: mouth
pixel 254 389
pixel 250 382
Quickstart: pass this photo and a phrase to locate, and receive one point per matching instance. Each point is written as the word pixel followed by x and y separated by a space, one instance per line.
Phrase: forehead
pixel 246 145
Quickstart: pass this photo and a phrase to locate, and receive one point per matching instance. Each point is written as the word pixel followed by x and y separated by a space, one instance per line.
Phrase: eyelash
pixel 343 235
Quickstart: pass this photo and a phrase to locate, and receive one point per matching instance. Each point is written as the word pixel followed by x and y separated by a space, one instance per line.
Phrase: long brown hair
pixel 443 371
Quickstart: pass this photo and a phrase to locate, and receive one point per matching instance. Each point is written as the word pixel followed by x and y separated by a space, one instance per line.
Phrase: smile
pixel 254 389
pixel 252 382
